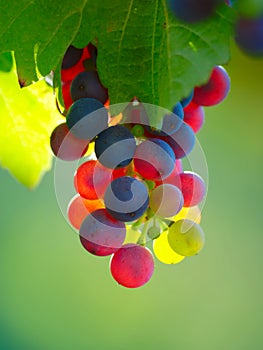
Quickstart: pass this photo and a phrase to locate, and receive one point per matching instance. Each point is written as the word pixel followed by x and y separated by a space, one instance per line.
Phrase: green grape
pixel 164 252
pixel 186 237
pixel 137 130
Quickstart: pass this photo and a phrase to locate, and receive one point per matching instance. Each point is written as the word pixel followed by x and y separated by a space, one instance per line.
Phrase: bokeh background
pixel 53 295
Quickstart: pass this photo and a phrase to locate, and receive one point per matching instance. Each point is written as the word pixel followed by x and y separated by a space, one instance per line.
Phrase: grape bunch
pixel 133 199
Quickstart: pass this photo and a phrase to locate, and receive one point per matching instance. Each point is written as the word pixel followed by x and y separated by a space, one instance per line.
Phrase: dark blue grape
pixel 86 118
pixel 115 147
pixel 126 199
pixel 88 84
pixel 249 35
pixel 71 57
pixel 193 10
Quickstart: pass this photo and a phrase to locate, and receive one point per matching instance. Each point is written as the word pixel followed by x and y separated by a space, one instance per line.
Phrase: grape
pixel 193 10
pixel 194 116
pixel 192 187
pixel 126 198
pixel 215 90
pixel 132 265
pixel 154 159
pixel 249 35
pixel 185 101
pixel 71 57
pixel 86 118
pixel 65 145
pixel 172 179
pixel 88 84
pixel 166 200
pixel 100 234
pixel 79 208
pixel 186 237
pixel 182 141
pixel 92 179
pixel 178 110
pixel 115 146
pixel 164 252
pixel 190 213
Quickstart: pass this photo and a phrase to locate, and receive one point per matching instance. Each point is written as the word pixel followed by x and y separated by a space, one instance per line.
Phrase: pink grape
pixel 79 208
pixel 194 116
pixel 65 145
pixel 215 90
pixel 132 265
pixel 101 234
pixel 92 179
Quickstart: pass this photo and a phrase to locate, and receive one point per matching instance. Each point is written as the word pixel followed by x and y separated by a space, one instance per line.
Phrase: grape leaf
pixel 144 50
pixel 27 118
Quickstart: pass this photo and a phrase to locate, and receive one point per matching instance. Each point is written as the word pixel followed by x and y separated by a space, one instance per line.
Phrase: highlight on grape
pixel 131 179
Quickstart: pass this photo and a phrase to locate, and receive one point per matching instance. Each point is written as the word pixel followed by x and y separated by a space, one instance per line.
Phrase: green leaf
pixel 27 119
pixel 6 62
pixel 144 50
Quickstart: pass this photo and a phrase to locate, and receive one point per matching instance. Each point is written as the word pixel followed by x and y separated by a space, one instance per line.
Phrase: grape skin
pixel 154 159
pixel 65 145
pixel 132 265
pixel 79 208
pixel 166 200
pixel 249 35
pixel 164 252
pixel 126 198
pixel 115 147
pixel 88 84
pixel 194 116
pixel 71 57
pixel 100 234
pixel 215 90
pixel 186 237
pixel 86 118
pixel 193 10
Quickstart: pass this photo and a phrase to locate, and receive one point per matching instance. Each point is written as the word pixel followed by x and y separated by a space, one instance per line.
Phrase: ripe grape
pixel 194 116
pixel 193 10
pixel 166 200
pixel 182 141
pixel 215 90
pixel 186 237
pixel 192 187
pixel 92 179
pixel 115 147
pixel 132 265
pixel 65 145
pixel 86 118
pixel 100 234
pixel 71 57
pixel 88 84
pixel 249 35
pixel 79 208
pixel 126 198
pixel 154 159
pixel 164 252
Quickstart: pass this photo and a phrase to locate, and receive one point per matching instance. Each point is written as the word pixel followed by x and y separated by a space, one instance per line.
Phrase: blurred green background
pixel 56 296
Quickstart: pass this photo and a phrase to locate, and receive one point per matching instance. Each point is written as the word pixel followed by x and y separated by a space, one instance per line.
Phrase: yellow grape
pixel 164 252
pixel 190 213
pixel 186 237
